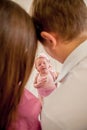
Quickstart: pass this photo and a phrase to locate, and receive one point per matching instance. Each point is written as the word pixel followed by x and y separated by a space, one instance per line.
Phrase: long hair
pixel 18 44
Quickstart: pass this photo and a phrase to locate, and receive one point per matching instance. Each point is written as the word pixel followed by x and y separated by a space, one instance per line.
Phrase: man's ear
pixel 49 38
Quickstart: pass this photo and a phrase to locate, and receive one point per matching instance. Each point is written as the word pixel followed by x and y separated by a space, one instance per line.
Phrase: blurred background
pixel 26 4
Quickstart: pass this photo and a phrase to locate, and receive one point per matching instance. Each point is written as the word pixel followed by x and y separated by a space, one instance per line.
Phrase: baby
pixel 46 77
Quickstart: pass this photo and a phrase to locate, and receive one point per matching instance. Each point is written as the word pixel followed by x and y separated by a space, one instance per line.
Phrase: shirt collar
pixel 75 57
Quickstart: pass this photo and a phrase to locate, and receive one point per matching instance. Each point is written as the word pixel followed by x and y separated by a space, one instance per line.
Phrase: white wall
pixel 24 3
pixel 85 1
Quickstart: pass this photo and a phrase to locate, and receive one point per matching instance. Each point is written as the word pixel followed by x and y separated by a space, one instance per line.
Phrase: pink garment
pixel 48 87
pixel 28 113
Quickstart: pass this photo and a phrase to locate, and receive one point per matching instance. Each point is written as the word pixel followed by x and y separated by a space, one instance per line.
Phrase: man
pixel 61 27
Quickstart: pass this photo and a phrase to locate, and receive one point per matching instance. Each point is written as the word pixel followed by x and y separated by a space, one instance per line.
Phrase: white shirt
pixel 66 107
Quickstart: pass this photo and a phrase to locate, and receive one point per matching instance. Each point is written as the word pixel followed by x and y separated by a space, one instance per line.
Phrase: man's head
pixel 67 18
pixel 58 22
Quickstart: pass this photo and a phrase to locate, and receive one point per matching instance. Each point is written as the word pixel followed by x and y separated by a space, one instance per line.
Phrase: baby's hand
pixel 43 80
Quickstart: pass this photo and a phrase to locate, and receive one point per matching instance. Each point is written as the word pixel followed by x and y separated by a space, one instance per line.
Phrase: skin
pixel 58 48
pixel 42 67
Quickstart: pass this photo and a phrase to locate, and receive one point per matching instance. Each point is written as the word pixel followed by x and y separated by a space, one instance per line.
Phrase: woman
pixel 19 109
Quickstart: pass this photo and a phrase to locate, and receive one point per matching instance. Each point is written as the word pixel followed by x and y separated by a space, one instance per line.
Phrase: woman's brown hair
pixel 17 52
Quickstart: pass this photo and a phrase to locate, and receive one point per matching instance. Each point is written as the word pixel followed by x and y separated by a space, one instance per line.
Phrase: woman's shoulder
pixel 29 96
pixel 29 99
pixel 28 111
